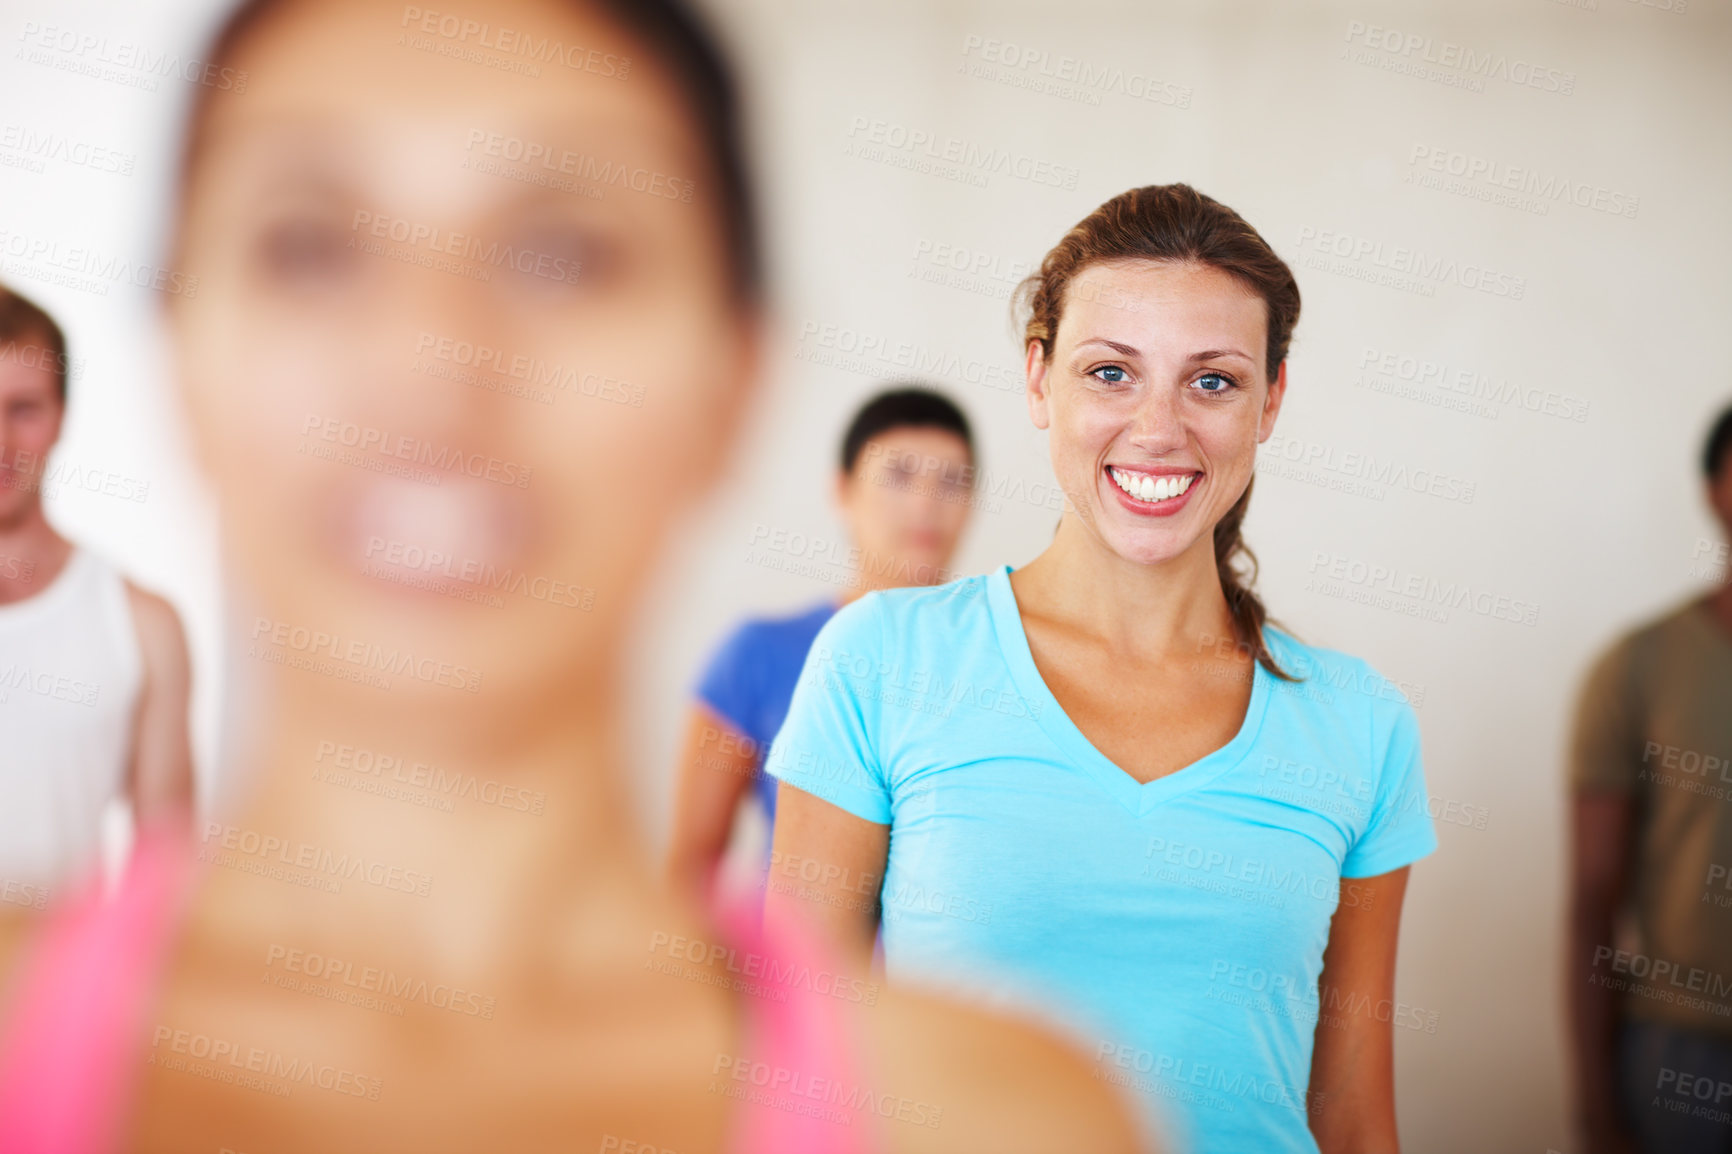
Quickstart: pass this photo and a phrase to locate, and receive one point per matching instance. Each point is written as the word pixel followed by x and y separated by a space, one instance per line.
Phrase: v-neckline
pixel 1138 797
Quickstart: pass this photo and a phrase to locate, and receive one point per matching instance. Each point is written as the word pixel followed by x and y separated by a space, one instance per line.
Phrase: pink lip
pixel 1164 508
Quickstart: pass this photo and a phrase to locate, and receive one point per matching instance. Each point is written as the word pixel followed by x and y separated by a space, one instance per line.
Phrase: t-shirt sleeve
pixel 828 744
pixel 1400 831
pixel 1605 741
pixel 730 682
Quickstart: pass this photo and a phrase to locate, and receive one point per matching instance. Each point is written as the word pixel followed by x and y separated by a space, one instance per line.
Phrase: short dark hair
pixel 22 317
pixel 1719 444
pixel 908 406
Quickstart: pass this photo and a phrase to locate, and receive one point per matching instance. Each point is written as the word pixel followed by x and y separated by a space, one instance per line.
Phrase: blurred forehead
pixel 911 446
pixel 362 81
pixel 920 438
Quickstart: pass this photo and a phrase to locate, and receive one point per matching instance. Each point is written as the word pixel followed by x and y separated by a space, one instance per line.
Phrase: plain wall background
pixel 1288 114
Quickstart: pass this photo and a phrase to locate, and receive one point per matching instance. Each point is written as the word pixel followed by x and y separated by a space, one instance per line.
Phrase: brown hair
pixel 1175 222
pixel 21 317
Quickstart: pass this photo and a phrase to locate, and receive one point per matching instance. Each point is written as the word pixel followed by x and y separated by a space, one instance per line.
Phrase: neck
pixel 539 814
pixel 1171 607
pixel 31 553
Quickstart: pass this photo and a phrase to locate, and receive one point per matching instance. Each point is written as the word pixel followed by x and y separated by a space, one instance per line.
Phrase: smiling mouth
pixel 1149 488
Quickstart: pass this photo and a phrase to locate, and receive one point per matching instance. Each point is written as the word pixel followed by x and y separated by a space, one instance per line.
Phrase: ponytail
pixel 1249 615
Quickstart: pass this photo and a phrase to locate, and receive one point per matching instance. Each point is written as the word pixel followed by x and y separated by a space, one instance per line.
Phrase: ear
pixel 1272 403
pixel 1035 373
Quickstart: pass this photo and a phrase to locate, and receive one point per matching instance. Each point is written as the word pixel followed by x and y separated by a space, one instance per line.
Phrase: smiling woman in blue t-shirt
pixel 1102 784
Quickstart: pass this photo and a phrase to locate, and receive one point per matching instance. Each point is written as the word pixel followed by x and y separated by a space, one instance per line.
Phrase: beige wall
pixel 1612 310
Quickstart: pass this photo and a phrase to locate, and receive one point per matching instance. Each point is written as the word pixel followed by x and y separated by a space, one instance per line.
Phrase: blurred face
pixel 462 345
pixel 907 501
pixel 1155 399
pixel 30 416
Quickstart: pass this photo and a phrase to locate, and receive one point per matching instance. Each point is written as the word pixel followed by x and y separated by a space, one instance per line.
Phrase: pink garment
pixel 69 1054
pixel 801 1067
pixel 70 1049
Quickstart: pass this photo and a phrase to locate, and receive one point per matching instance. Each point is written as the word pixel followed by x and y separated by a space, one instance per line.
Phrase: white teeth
pixel 1146 488
pixel 460 518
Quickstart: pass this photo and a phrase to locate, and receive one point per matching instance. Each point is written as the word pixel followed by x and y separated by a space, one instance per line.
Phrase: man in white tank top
pixel 94 674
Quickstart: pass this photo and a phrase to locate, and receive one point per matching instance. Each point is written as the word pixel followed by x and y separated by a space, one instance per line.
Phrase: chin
pixel 1148 547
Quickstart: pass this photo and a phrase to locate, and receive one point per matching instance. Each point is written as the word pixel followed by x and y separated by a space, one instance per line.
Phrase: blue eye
pixel 1120 378
pixel 1223 383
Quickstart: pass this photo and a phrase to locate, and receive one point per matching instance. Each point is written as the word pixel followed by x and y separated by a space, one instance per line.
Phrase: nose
pixel 1158 426
pixel 442 400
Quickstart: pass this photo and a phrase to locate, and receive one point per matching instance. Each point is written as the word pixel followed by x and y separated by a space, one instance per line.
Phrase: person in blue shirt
pixel 1103 785
pixel 904 488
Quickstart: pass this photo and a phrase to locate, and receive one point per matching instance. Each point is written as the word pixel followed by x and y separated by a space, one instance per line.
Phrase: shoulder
pixel 930 607
pixel 1341 677
pixel 764 631
pixel 924 622
pixel 1681 625
pixel 160 634
pixel 1634 650
pixel 152 610
pixel 1001 1084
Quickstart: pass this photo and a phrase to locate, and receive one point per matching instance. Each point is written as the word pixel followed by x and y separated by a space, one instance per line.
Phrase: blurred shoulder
pixel 159 629
pixel 758 639
pixel 999 1084
pixel 1623 670
pixel 765 628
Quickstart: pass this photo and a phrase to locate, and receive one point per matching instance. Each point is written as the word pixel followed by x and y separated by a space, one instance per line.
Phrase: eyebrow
pixel 1212 354
pixel 1132 351
pixel 1126 350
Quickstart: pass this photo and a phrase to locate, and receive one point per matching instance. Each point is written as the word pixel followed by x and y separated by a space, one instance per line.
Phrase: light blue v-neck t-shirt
pixel 1175 927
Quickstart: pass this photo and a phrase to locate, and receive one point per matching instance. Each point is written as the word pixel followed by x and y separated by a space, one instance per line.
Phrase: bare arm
pixel 15 926
pixel 826 871
pixel 1352 1101
pixel 716 767
pixel 1600 831
pixel 159 780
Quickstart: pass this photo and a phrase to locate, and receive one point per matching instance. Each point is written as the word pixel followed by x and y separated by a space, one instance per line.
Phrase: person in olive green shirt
pixel 1650 937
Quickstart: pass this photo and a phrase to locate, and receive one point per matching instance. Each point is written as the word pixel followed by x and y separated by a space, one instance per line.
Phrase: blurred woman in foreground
pixel 476 309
